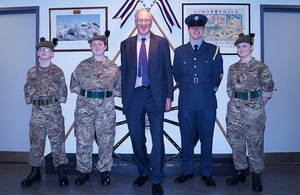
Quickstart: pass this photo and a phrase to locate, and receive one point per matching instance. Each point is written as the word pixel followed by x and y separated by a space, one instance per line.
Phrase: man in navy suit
pixel 146 90
pixel 198 70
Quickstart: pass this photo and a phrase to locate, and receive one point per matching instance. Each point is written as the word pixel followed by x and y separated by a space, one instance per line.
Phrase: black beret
pixel 245 39
pixel 196 20
pixel 100 37
pixel 44 43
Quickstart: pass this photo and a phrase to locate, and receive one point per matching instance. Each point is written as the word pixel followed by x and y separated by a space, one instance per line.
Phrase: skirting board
pixel 269 158
pixel 221 165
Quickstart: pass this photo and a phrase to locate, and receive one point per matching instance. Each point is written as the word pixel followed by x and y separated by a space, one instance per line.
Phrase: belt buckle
pixel 107 94
pixel 195 80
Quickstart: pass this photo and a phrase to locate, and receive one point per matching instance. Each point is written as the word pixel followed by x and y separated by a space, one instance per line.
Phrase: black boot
pixel 34 176
pixel 256 185
pixel 105 179
pixel 239 177
pixel 62 177
pixel 83 177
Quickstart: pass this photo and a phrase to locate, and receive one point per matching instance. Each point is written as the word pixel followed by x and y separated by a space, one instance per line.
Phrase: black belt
pixel 92 94
pixel 249 95
pixel 44 102
pixel 143 87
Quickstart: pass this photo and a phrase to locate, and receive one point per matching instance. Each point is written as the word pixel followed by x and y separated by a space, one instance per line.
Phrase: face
pixel 196 33
pixel 244 50
pixel 98 47
pixel 45 53
pixel 143 22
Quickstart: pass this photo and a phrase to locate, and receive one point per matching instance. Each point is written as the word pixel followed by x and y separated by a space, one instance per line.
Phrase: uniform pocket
pixel 185 68
pixel 206 66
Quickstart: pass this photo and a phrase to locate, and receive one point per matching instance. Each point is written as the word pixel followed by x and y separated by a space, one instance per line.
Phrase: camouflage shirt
pixel 45 82
pixel 248 77
pixel 95 76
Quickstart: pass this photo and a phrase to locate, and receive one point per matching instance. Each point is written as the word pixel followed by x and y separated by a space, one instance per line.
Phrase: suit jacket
pixel 159 70
pixel 198 76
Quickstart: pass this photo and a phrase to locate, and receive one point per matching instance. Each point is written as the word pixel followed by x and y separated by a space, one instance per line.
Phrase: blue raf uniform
pixel 198 75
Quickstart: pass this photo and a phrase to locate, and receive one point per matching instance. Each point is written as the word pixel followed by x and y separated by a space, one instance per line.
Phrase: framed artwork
pixel 224 23
pixel 74 26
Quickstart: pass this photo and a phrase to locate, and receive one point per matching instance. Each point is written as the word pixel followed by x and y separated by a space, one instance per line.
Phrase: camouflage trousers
pixel 94 116
pixel 47 120
pixel 245 121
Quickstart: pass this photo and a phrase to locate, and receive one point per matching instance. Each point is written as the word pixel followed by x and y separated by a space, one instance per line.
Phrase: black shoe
pixel 34 176
pixel 239 177
pixel 183 178
pixel 209 181
pixel 83 177
pixel 62 177
pixel 140 181
pixel 256 184
pixel 156 189
pixel 105 179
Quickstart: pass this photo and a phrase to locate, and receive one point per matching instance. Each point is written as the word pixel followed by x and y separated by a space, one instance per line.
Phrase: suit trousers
pixel 142 102
pixel 203 121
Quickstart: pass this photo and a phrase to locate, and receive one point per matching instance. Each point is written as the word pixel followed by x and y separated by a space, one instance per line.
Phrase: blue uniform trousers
pixel 203 121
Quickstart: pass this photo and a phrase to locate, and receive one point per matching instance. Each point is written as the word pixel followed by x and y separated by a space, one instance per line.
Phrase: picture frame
pixel 225 23
pixel 74 26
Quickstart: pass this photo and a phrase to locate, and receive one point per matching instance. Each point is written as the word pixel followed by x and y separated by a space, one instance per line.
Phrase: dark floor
pixel 276 180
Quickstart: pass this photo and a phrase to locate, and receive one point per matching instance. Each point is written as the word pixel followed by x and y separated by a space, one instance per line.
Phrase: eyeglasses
pixel 140 21
pixel 44 49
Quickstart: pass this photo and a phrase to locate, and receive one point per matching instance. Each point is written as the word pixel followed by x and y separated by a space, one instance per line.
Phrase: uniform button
pixel 206 62
pixel 195 66
pixel 194 58
pixel 195 74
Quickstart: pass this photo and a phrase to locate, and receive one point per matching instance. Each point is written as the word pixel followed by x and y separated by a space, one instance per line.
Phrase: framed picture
pixel 225 23
pixel 74 26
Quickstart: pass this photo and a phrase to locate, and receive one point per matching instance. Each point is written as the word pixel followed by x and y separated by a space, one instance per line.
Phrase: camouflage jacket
pixel 95 76
pixel 45 82
pixel 248 77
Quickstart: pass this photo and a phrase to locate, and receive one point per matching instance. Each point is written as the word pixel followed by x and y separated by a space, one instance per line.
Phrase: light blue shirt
pixel 199 44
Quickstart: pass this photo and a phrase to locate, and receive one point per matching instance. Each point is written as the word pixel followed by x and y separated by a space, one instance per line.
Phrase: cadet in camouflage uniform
pixel 96 80
pixel 46 88
pixel 249 86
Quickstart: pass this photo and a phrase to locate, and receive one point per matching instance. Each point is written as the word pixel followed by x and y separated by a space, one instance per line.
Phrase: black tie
pixel 196 48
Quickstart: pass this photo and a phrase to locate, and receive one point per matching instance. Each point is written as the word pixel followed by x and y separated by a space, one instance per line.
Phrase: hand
pixel 168 104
